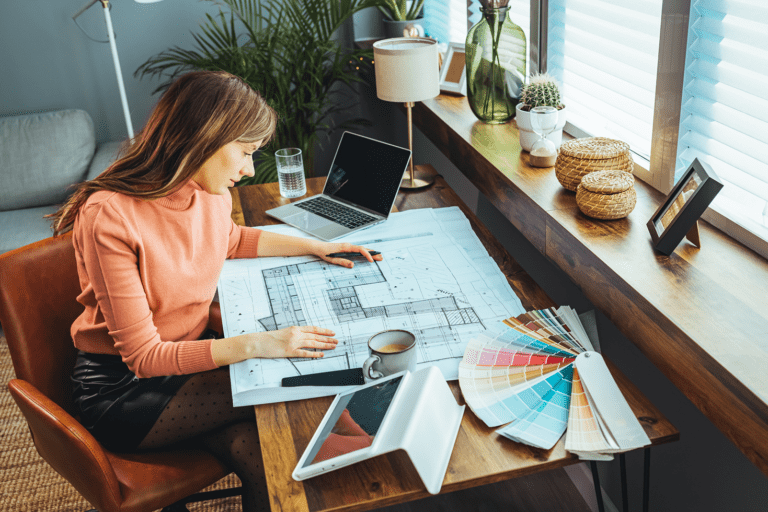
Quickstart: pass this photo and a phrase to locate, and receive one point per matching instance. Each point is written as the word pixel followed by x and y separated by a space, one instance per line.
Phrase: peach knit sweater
pixel 148 272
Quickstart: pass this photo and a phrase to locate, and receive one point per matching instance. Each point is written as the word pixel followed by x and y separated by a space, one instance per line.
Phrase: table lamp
pixel 111 34
pixel 407 71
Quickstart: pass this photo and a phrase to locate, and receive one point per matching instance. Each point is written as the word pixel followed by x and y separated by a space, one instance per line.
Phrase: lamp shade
pixel 407 69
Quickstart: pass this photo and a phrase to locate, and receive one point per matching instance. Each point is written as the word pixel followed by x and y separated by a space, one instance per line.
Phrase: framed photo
pixel 677 217
pixel 453 77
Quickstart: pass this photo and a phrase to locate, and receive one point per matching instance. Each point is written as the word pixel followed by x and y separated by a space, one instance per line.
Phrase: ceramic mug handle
pixel 368 370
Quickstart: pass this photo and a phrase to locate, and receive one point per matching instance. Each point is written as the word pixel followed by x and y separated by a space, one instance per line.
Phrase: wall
pixel 48 63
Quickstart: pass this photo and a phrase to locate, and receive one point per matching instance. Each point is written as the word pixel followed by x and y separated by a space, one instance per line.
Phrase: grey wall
pixel 47 63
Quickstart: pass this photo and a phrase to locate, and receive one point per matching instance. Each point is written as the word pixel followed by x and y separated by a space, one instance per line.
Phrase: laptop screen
pixel 367 172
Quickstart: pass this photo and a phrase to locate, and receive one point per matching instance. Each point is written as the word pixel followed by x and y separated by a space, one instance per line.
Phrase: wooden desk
pixel 479 457
pixel 699 315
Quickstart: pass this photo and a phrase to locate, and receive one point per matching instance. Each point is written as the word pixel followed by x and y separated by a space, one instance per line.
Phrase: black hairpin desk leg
pixel 624 493
pixel 598 491
pixel 647 480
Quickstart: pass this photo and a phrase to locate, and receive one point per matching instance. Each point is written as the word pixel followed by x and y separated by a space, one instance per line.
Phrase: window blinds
pixel 605 53
pixel 724 112
pixel 447 20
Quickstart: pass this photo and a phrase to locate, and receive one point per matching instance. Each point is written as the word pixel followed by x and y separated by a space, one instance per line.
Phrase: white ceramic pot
pixel 528 136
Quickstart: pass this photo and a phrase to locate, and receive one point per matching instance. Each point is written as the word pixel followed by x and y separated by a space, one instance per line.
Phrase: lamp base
pixel 421 179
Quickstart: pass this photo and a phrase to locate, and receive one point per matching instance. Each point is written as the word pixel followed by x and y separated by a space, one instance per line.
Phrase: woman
pixel 151 234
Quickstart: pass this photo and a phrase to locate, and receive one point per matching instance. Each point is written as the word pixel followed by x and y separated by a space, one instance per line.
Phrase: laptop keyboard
pixel 339 213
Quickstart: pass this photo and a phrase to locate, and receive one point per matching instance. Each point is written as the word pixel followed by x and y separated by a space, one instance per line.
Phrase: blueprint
pixel 436 280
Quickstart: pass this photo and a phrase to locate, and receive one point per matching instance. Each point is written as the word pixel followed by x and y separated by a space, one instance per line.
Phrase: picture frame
pixel 678 215
pixel 453 76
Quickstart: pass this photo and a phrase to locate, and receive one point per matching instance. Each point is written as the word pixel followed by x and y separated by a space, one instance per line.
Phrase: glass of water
pixel 290 172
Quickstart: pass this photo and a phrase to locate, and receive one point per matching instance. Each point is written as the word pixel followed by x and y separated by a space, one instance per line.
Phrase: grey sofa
pixel 41 156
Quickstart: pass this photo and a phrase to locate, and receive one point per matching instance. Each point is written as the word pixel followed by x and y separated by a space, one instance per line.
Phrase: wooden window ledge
pixel 700 315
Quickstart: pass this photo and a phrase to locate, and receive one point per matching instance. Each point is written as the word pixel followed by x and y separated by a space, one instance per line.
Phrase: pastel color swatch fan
pixel 539 374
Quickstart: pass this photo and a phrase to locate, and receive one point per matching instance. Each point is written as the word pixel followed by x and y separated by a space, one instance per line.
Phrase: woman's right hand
pixel 295 342
pixel 289 342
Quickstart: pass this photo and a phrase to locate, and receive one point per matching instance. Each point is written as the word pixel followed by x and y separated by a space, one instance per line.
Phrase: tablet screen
pixel 354 422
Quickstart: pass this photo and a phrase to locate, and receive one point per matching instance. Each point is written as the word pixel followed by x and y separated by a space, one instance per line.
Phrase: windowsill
pixel 700 315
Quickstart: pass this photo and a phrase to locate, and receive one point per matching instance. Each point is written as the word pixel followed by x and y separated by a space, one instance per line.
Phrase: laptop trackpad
pixel 307 221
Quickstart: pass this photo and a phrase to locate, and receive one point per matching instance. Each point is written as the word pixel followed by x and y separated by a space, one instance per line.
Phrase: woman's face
pixel 226 167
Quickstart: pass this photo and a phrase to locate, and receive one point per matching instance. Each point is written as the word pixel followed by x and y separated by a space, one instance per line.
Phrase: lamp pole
pixel 409 105
pixel 118 72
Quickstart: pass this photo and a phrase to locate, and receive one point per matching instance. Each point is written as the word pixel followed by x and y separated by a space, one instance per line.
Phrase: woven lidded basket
pixel 607 195
pixel 579 157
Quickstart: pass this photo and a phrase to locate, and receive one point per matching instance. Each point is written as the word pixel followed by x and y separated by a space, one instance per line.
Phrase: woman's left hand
pixel 324 249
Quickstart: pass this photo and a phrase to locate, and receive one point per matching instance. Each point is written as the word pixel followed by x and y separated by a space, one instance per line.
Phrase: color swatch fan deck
pixel 539 374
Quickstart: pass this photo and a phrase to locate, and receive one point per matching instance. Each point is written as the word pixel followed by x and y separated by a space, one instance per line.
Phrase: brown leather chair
pixel 38 289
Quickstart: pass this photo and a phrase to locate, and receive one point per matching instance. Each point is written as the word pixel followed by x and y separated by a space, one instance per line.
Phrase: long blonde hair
pixel 198 114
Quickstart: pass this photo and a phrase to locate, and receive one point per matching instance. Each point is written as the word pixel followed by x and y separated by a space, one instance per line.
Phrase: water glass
pixel 290 172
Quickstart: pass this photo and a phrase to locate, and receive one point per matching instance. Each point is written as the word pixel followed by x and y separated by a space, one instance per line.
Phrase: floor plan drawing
pixel 427 283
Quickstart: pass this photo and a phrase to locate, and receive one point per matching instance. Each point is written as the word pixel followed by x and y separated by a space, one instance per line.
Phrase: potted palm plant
pixel 400 16
pixel 541 90
pixel 286 50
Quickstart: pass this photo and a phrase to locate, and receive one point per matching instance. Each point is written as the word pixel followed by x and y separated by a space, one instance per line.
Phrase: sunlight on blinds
pixel 446 20
pixel 605 53
pixel 724 113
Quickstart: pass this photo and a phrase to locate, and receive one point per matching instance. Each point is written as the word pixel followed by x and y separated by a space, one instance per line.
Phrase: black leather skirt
pixel 117 407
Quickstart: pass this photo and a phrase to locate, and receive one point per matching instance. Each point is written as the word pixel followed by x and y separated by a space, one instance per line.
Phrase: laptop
pixel 359 191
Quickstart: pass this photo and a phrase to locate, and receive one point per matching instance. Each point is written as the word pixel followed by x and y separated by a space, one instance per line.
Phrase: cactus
pixel 542 90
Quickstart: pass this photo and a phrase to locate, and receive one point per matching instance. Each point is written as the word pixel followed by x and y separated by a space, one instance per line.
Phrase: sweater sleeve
pixel 109 250
pixel 243 241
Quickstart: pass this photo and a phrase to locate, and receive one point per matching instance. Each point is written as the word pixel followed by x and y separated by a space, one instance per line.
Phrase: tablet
pixel 354 427
pixel 413 412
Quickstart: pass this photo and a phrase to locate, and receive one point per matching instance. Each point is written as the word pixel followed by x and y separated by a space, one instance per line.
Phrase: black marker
pixel 351 377
pixel 350 254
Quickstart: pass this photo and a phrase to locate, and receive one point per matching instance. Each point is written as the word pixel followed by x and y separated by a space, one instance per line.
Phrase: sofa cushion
pixel 21 227
pixel 43 154
pixel 106 153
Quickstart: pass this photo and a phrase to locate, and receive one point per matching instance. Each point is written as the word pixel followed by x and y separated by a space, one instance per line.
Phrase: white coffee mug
pixel 391 352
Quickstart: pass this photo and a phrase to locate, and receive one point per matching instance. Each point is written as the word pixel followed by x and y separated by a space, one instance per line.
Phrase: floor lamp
pixel 407 71
pixel 111 34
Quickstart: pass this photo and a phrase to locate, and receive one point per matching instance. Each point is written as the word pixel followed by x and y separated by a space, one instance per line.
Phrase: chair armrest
pixel 68 447
pixel 214 318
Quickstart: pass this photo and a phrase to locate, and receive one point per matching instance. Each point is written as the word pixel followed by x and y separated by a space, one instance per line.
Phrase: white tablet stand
pixel 423 420
pixel 428 421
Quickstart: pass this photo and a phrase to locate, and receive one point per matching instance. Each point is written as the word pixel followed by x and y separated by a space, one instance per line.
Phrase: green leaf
pixel 415 9
pixel 286 50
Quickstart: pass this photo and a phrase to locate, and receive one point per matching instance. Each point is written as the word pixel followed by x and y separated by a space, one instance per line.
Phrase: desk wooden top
pixel 699 315
pixel 479 457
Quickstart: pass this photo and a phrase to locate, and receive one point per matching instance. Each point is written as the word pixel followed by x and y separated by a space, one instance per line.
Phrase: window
pixel 709 63
pixel 724 106
pixel 448 20
pixel 605 54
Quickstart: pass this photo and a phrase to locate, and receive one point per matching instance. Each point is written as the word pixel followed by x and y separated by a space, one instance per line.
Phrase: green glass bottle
pixel 496 52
